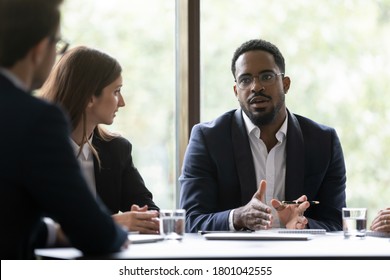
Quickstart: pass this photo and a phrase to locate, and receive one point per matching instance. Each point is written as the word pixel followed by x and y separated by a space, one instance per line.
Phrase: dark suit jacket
pixel 118 182
pixel 40 176
pixel 218 172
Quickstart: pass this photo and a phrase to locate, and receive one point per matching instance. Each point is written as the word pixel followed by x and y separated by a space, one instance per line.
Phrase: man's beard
pixel 265 118
pixel 260 120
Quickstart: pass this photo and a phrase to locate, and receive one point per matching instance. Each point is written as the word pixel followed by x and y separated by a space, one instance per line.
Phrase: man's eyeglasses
pixel 61 46
pixel 265 79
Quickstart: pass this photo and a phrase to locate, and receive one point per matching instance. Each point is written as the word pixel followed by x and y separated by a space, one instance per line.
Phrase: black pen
pixel 313 202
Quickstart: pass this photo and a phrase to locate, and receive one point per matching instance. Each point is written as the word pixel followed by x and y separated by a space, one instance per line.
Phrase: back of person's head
pixel 23 24
pixel 81 73
pixel 258 45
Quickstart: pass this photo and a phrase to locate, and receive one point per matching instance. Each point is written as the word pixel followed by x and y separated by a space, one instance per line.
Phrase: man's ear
pixel 40 50
pixel 286 84
pixel 235 90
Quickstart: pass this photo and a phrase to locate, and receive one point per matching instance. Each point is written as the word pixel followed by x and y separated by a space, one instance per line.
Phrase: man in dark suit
pixel 262 144
pixel 39 174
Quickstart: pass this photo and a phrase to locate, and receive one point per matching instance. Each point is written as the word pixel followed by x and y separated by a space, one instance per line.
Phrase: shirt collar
pixel 253 129
pixel 86 149
pixel 14 79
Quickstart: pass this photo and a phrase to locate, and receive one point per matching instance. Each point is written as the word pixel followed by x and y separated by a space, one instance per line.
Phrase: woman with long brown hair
pixel 87 83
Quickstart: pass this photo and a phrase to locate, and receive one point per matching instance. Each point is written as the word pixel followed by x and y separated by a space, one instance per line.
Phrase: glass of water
pixel 172 223
pixel 354 222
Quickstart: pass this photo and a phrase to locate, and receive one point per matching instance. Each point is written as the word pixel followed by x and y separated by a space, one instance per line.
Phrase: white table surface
pixel 195 246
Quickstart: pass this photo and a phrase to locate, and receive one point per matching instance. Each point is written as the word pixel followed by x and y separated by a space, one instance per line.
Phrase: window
pixel 140 35
pixel 337 56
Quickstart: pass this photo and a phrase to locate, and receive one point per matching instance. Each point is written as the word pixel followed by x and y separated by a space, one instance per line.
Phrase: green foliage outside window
pixel 337 55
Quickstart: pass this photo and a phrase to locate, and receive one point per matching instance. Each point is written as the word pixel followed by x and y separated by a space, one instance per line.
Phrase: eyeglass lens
pixel 265 79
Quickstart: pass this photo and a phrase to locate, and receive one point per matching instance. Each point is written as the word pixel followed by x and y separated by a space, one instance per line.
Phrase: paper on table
pixel 144 238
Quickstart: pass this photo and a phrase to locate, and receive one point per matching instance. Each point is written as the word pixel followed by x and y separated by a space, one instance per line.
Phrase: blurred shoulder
pixel 28 112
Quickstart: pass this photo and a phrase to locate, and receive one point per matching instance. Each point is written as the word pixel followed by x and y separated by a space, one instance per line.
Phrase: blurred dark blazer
pixel 40 176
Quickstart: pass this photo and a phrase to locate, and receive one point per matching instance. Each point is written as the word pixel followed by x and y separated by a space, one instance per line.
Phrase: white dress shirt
pixel 269 166
pixel 85 160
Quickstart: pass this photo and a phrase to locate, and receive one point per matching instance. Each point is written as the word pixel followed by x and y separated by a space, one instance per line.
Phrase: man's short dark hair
pixel 23 24
pixel 259 44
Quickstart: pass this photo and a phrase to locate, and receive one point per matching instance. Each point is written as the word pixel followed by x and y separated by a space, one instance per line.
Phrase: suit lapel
pixel 99 173
pixel 295 160
pixel 243 158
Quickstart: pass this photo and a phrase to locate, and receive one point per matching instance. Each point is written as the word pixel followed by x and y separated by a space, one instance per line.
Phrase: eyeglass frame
pixel 61 45
pixel 260 80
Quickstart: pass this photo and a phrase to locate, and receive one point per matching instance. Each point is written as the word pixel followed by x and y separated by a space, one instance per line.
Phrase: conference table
pixel 194 246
